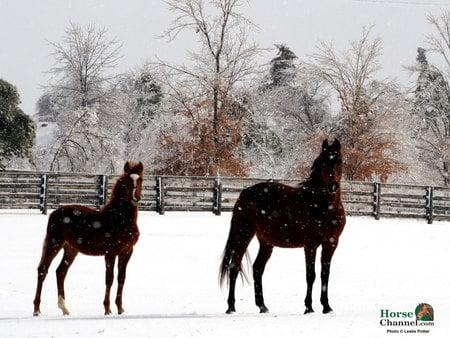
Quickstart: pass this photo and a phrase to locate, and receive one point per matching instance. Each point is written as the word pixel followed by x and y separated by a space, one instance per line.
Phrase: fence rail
pixel 32 190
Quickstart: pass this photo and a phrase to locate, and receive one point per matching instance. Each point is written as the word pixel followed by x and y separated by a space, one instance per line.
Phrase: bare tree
pixel 371 145
pixel 439 42
pixel 81 91
pixel 225 58
pixel 82 62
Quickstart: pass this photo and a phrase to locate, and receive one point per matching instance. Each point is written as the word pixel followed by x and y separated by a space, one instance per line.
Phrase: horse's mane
pixel 314 176
pixel 328 151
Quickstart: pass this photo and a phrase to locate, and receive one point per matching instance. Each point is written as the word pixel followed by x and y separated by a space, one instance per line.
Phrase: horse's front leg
pixel 110 260
pixel 327 253
pixel 122 267
pixel 310 259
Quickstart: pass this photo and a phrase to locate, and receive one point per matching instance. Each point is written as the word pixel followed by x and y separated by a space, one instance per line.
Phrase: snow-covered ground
pixel 172 285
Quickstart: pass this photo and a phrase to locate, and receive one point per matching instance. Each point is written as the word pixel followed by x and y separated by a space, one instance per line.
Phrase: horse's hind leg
pixel 239 248
pixel 61 272
pixel 265 251
pixel 49 251
pixel 122 270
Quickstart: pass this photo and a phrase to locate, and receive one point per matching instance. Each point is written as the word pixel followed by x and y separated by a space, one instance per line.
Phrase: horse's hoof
pixel 63 306
pixel 263 309
pixel 327 309
pixel 230 311
pixel 36 313
pixel 309 310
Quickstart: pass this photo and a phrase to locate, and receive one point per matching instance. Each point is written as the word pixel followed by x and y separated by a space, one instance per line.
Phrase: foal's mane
pixel 116 193
pixel 117 189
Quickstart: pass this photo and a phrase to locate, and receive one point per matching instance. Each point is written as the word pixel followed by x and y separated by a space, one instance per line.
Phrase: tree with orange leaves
pixel 204 92
pixel 369 109
pixel 194 149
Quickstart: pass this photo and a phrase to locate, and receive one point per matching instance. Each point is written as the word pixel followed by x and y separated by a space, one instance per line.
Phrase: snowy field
pixel 172 285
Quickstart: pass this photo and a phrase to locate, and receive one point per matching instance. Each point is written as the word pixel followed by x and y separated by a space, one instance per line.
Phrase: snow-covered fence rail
pixel 31 190
pixel 19 190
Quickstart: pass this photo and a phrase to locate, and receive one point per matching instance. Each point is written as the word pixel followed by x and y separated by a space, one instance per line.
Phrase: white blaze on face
pixel 134 177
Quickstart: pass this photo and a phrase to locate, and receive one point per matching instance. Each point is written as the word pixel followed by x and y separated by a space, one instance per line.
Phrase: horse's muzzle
pixel 136 199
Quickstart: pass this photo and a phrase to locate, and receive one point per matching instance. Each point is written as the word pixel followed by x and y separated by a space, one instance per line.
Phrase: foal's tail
pixel 231 248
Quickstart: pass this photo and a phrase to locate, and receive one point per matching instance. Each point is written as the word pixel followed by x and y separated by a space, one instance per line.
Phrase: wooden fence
pixel 43 191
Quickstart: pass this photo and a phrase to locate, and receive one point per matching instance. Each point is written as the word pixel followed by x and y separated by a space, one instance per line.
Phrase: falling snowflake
pixel 96 224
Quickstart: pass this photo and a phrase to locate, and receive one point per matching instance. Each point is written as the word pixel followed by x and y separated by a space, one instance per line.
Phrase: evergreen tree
pixel 17 130
pixel 421 56
pixel 282 69
pixel 139 103
pixel 149 94
pixel 432 90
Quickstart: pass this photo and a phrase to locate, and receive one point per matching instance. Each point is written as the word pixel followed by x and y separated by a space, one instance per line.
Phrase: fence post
pixel 43 195
pixel 159 195
pixel 376 200
pixel 429 204
pixel 102 190
pixel 217 197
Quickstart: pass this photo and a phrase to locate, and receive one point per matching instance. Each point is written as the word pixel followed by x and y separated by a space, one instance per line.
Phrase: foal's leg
pixel 240 247
pixel 110 260
pixel 264 253
pixel 49 251
pixel 327 253
pixel 310 258
pixel 61 272
pixel 122 267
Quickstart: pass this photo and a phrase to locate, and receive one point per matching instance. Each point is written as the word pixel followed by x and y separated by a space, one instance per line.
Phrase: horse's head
pixel 328 166
pixel 133 175
pixel 425 310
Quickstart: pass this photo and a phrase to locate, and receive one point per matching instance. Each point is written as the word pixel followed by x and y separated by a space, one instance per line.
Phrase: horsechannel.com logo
pixel 419 321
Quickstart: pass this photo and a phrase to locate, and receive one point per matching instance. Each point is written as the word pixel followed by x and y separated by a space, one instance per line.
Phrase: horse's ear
pixel 126 167
pixel 336 145
pixel 140 166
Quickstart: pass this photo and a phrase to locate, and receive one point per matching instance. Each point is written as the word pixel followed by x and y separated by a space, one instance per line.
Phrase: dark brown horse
pixel 110 232
pixel 307 216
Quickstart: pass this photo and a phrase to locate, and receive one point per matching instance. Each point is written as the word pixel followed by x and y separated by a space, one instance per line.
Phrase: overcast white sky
pixel 26 26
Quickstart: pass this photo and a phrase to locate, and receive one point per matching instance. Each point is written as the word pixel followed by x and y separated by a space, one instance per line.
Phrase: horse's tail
pixel 230 247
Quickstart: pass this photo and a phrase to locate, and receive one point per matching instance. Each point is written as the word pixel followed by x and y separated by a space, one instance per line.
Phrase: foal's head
pixel 327 168
pixel 132 177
